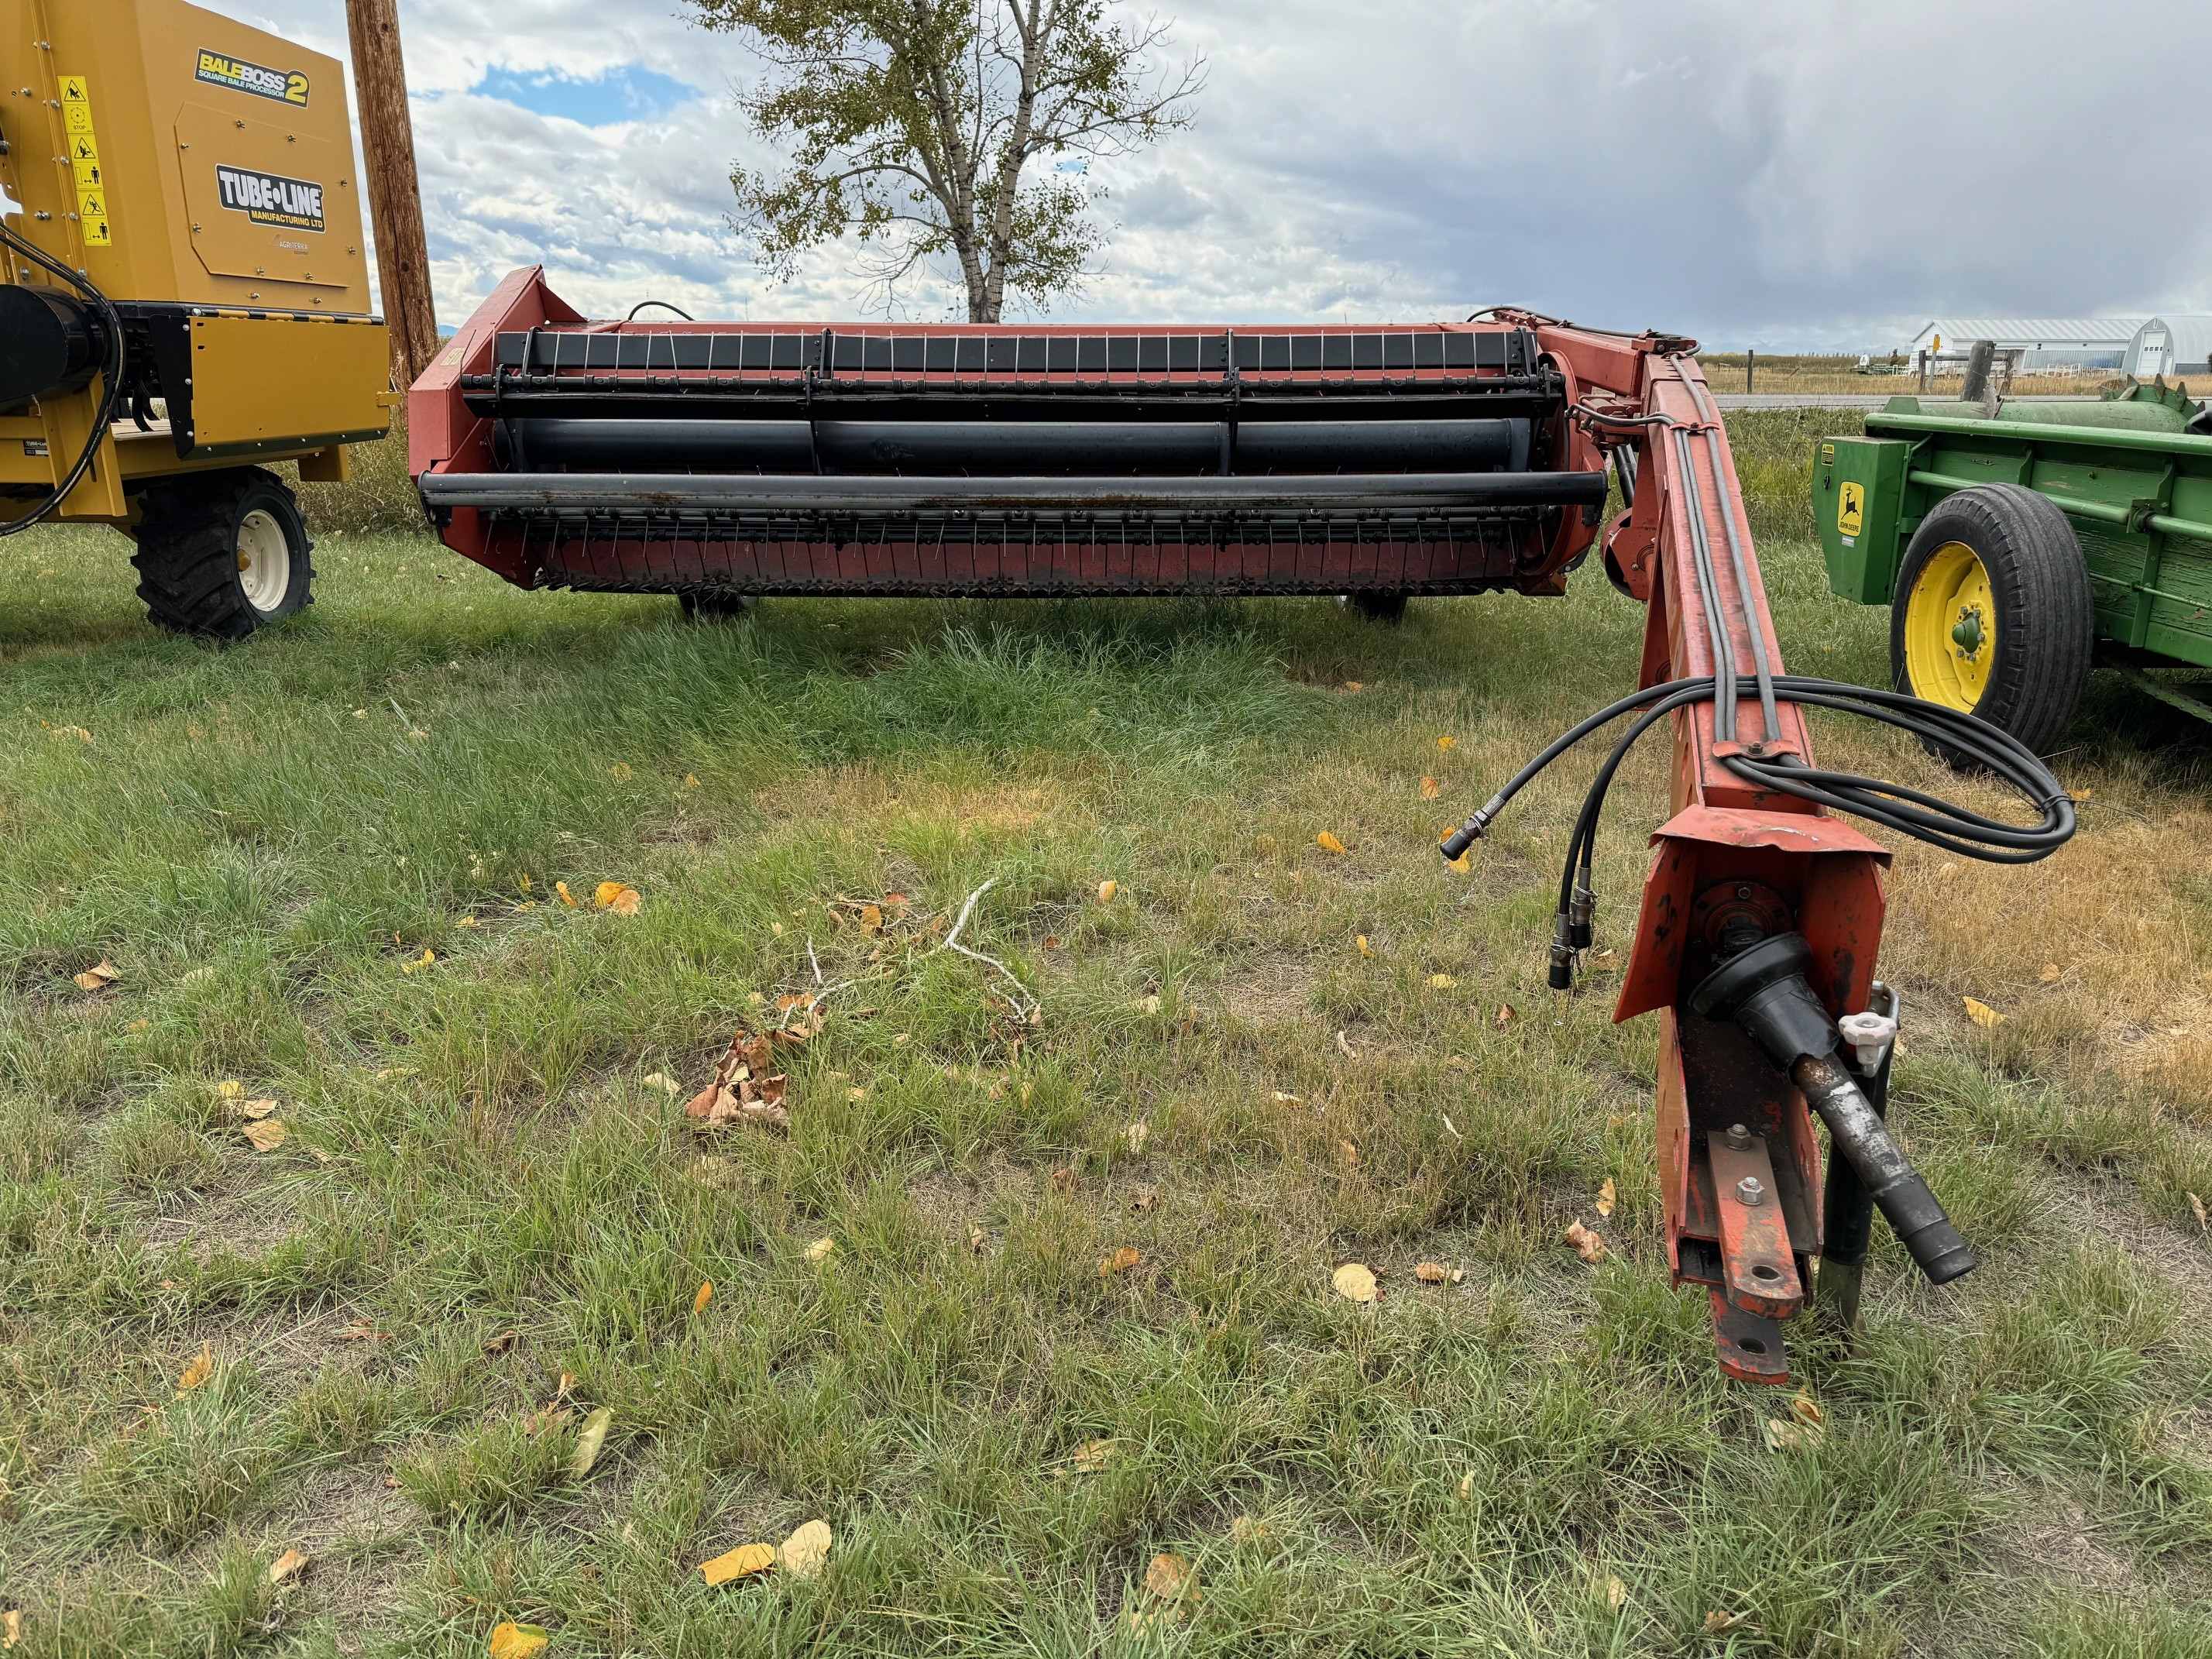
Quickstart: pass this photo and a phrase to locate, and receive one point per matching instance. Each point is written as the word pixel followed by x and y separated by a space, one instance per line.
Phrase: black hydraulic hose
pixel 643 304
pixel 1761 663
pixel 111 380
pixel 1912 812
pixel 1716 634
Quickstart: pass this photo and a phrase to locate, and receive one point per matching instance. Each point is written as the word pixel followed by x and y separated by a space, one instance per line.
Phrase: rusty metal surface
pixel 1748 1345
pixel 1757 1261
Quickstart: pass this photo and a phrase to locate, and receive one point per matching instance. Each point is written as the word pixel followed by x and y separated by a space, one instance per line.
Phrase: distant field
pixel 1837 375
pixel 1074 1314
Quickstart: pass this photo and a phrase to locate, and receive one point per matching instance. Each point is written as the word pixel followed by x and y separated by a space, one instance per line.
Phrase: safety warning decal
pixel 270 198
pixel 91 203
pixel 1851 509
pixel 220 68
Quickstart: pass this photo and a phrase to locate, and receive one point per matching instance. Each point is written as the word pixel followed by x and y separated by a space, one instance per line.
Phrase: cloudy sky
pixel 1811 173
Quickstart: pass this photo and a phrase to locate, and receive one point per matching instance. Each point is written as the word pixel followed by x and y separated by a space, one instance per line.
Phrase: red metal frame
pixel 1728 843
pixel 446 436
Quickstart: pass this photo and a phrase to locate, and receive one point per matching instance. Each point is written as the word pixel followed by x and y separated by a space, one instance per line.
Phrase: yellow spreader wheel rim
pixel 1951 629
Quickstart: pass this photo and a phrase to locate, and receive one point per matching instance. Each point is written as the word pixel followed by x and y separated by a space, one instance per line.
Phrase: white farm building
pixel 2042 342
pixel 2177 344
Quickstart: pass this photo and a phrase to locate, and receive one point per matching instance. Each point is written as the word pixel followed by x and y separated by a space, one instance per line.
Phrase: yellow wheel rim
pixel 1951 629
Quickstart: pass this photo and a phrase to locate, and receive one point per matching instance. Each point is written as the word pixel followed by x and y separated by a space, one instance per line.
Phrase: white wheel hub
pixel 265 560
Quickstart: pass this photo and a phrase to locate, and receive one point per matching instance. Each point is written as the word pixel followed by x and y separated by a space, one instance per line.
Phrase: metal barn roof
pixel 2035 331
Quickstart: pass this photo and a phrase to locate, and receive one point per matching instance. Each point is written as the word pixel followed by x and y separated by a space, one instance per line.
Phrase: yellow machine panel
pixel 180 155
pixel 184 296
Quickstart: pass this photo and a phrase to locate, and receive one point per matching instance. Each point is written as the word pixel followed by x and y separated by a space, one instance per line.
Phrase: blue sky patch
pixel 627 92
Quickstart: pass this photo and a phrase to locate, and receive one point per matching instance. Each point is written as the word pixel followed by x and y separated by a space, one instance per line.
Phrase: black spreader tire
pixel 188 556
pixel 2046 618
pixel 1379 607
pixel 714 607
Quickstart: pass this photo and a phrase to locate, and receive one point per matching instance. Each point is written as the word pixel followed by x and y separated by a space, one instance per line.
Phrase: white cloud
pixel 1732 168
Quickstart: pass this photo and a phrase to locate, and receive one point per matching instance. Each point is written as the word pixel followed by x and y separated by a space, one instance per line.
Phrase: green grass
pixel 483 1188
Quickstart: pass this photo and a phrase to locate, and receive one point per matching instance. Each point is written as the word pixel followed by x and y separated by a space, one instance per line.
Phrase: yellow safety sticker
pixel 91 215
pixel 88 172
pixel 76 118
pixel 1851 509
pixel 83 148
pixel 91 204
pixel 97 234
pixel 73 90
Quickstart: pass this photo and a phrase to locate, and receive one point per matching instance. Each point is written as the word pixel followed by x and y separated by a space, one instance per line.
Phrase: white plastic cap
pixel 1869 1035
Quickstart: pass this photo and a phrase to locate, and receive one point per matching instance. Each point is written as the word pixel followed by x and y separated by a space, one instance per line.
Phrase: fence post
pixel 1750 358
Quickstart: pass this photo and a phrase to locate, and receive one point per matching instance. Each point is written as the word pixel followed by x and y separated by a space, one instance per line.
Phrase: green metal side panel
pixel 2115 481
pixel 1858 500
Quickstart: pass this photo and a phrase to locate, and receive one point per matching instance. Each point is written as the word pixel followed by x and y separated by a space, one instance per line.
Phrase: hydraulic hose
pixel 111 397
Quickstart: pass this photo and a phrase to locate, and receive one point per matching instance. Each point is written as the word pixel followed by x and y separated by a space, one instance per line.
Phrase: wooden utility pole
pixel 395 197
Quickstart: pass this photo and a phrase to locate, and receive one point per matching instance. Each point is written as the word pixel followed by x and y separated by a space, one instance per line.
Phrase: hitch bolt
pixel 1738 1138
pixel 1749 1191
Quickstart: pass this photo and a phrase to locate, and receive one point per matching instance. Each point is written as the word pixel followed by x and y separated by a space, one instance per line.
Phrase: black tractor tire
pixel 2037 589
pixel 715 607
pixel 222 554
pixel 1379 607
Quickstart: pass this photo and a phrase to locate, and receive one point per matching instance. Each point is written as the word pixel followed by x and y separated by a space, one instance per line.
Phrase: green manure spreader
pixel 2019 544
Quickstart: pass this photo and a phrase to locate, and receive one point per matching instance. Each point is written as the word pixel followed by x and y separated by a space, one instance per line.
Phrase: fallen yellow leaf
pixel 423 961
pixel 560 888
pixel 201 1368
pixel 1608 1196
pixel 1448 744
pixel 1616 1592
pixel 230 1089
pixel 1361 944
pixel 1718 1624
pixel 1134 1135
pixel 1805 1408
pixel 1431 788
pixel 618 897
pixel 11 1627
pixel 1588 1245
pixel 589 1440
pixel 2204 1217
pixel 1461 865
pixel 1354 685
pixel 1347 1153
pixel 267 1133
pixel 1432 1273
pixel 1093 1456
pixel 285 1566
pixel 1441 981
pixel 1120 1262
pixel 511 1641
pixel 705 1294
pixel 99 976
pixel 253 1109
pixel 1506 1015
pixel 1170 1577
pixel 620 771
pixel 1982 1014
pixel 806 1551
pixel 1354 1281
pixel 1106 888
pixel 1328 843
pixel 742 1562
pixel 821 1249
pixel 2050 974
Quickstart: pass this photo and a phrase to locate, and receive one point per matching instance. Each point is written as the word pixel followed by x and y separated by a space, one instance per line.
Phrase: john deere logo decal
pixel 221 70
pixel 268 198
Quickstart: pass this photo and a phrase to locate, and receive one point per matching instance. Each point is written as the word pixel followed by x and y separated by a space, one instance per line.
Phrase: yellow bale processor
pixel 184 298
